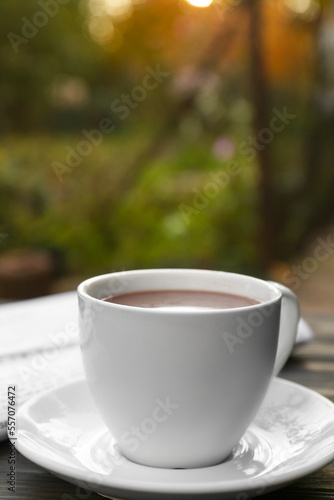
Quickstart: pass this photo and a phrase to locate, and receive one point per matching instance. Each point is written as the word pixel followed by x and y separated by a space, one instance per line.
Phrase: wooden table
pixel 311 365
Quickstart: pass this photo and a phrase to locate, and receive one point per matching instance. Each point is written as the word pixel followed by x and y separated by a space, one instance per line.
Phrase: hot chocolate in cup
pixel 178 384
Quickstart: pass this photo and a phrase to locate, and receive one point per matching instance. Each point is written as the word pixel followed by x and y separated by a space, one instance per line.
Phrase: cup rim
pixel 83 291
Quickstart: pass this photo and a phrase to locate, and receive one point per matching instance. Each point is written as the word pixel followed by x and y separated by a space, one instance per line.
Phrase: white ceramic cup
pixel 178 389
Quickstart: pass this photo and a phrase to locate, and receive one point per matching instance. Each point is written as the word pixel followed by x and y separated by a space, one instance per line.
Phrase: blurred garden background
pixel 165 133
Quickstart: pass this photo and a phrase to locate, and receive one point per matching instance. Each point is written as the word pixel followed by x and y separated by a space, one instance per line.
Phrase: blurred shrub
pixel 177 213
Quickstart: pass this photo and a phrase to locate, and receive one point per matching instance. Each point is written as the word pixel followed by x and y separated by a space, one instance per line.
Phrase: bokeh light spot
pixel 101 29
pixel 114 8
pixel 308 9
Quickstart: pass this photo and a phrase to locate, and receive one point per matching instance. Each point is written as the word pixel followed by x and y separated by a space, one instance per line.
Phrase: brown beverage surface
pixel 182 299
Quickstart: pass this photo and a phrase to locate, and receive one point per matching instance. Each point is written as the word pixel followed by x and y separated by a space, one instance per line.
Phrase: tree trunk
pixel 259 89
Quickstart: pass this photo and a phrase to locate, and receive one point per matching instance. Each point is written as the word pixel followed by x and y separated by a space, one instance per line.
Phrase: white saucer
pixel 292 436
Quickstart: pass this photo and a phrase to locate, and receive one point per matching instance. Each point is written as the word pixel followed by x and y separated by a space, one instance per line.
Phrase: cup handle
pixel 288 326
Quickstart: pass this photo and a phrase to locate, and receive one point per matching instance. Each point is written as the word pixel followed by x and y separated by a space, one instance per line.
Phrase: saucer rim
pixel 75 475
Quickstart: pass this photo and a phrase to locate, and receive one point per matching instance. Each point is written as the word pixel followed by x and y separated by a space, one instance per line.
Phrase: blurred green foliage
pixel 87 221
pixel 140 198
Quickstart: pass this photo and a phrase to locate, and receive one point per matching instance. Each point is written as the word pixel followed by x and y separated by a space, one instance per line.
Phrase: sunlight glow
pixel 200 3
